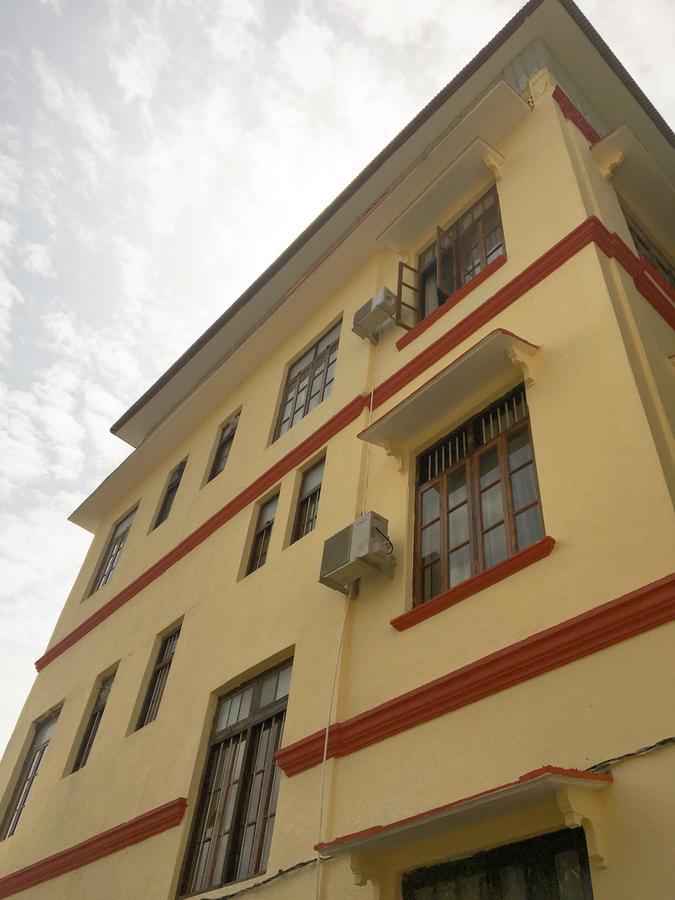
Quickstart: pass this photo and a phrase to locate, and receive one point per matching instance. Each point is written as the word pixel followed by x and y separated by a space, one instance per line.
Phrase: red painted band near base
pixel 132 832
pixel 471 586
pixel 613 622
pixel 529 776
pixel 661 298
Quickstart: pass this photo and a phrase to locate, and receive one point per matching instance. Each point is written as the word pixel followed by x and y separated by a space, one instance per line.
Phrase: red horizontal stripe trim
pixel 529 776
pixel 592 230
pixel 471 586
pixel 572 112
pixel 132 832
pixel 268 479
pixel 613 622
pixel 451 302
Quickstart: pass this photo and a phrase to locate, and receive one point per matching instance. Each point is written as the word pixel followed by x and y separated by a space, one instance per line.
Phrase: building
pixel 499 707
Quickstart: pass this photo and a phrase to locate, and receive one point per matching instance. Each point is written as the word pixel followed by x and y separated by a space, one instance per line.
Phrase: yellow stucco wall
pixel 597 407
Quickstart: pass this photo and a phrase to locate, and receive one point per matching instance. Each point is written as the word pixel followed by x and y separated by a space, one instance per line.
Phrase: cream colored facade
pixel 600 394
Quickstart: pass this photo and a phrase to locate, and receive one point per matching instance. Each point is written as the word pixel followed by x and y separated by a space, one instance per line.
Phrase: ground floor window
pixel 552 867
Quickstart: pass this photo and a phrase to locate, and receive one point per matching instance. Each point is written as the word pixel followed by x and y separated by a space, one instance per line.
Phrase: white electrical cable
pixel 370 415
pixel 325 742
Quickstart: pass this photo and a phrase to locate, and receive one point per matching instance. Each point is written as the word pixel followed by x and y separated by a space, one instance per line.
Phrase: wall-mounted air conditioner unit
pixel 356 551
pixel 372 315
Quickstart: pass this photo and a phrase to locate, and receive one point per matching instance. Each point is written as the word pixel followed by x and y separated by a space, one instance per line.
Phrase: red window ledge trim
pixel 543 772
pixel 132 832
pixel 656 291
pixel 471 586
pixel 608 624
pixel 450 303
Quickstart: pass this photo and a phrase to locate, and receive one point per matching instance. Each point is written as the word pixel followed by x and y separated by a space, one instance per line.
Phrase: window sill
pixel 451 302
pixel 479 582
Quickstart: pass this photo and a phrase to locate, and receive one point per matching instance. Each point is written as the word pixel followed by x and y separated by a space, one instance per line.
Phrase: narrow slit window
pixel 308 501
pixel 94 721
pixel 263 533
pixel 170 494
pixel 650 251
pixel 158 679
pixel 43 733
pixel 113 551
pixel 477 497
pixel 309 381
pixel 232 830
pixel 225 441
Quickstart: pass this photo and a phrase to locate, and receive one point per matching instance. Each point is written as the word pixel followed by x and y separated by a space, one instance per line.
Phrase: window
pixel 112 554
pixel 308 501
pixel 309 381
pixel 43 733
pixel 477 497
pixel 263 532
pixel 232 830
pixel 456 256
pixel 552 867
pixel 170 494
pixel 160 673
pixel 93 723
pixel 224 446
pixel 651 252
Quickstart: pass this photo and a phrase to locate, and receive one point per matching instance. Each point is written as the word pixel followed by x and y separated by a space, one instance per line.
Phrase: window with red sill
pixel 458 254
pixel 477 498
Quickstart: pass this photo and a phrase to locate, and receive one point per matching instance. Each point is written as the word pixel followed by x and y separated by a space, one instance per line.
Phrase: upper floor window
pixel 263 533
pixel 160 673
pixel 308 501
pixel 458 254
pixel 43 734
pixel 232 829
pixel 223 447
pixel 169 494
pixel 113 550
pixel 94 721
pixel 554 866
pixel 309 381
pixel 477 497
pixel 651 252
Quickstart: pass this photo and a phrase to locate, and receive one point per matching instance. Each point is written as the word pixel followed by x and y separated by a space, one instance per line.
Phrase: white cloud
pixel 37 258
pixel 139 67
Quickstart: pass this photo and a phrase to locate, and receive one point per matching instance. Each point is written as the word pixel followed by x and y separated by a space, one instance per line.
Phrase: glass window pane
pixel 267 512
pixel 329 338
pixel 458 526
pixel 311 480
pixel 284 683
pixel 447 890
pixel 269 689
pixel 459 565
pixel 513 885
pixel 489 467
pixel 222 714
pixel 520 449
pixel 245 707
pixel 473 887
pixel 235 706
pixel 492 505
pixel 429 292
pixel 431 501
pixel 568 873
pixel 494 546
pixel 431 542
pixel 301 364
pixel 431 581
pixel 523 487
pixel 457 487
pixel 528 527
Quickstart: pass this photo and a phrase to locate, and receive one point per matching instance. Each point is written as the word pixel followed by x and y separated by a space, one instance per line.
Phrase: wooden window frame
pixel 296 399
pixel 169 495
pixel 261 536
pixel 469 459
pixel 449 243
pixel 94 721
pixel 246 781
pixel 113 551
pixel 308 506
pixel 223 447
pixel 158 678
pixel 535 857
pixel 28 773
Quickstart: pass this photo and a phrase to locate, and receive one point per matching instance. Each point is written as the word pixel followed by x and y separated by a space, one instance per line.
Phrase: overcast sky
pixel 155 156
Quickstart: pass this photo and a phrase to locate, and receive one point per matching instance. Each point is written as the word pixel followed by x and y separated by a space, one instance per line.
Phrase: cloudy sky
pixel 155 156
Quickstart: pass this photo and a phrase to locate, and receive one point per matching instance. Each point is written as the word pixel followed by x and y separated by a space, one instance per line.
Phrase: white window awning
pixel 492 358
pixel 566 787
